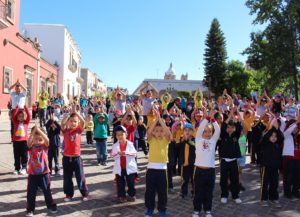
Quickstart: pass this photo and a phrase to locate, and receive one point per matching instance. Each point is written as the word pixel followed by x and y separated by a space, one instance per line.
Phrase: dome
pixel 170 71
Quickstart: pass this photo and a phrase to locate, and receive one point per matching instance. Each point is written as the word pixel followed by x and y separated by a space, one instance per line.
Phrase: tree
pixel 276 49
pixel 215 59
pixel 237 78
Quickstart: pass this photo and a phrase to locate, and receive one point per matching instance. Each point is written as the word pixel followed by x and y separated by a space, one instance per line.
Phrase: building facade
pixel 92 85
pixel 20 59
pixel 59 47
pixel 171 84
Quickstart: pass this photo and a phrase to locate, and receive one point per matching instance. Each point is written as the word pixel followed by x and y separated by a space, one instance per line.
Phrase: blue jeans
pixel 101 147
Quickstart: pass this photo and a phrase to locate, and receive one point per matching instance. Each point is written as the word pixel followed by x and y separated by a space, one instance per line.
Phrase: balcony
pixel 73 67
pixel 3 23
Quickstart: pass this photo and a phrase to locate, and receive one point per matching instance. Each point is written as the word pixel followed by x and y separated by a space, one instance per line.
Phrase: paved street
pixel 102 192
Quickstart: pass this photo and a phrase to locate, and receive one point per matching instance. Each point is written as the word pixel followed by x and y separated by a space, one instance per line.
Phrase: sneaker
pixel 196 214
pixel 67 199
pixel 137 179
pixel 122 200
pixel 131 199
pixel 104 164
pixel 22 172
pixel 275 203
pixel 224 200
pixel 238 201
pixel 53 210
pixel 85 198
pixel 208 214
pixel 149 213
pixel 163 214
pixel 16 172
pixel 264 203
pixel 29 214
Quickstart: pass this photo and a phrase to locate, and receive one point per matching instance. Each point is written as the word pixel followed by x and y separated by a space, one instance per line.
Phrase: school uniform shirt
pixel 271 153
pixel 288 144
pixel 20 131
pixel 158 153
pixel 187 152
pixel 205 148
pixel 53 134
pixel 229 146
pixel 38 160
pixel 72 141
pixel 131 166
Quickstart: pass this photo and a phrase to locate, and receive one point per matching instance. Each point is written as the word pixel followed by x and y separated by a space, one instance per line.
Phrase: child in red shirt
pixel 72 128
pixel 125 166
pixel 38 170
pixel 20 136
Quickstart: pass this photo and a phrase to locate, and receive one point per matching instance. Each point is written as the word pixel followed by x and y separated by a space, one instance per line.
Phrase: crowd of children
pixel 175 140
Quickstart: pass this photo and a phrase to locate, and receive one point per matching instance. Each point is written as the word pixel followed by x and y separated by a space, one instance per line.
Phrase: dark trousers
pixel 39 181
pixel 176 159
pixel 121 183
pixel 20 154
pixel 42 117
pixel 170 176
pixel 187 173
pixel 291 182
pixel 89 137
pixel 142 143
pixel 53 153
pixel 74 165
pixel 269 183
pixel 229 169
pixel 204 183
pixel 156 182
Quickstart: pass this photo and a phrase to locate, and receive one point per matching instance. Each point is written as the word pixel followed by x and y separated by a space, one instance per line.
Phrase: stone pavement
pixel 102 192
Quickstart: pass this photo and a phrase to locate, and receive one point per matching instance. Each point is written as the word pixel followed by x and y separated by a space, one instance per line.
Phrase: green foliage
pixel 215 58
pixel 276 50
pixel 184 94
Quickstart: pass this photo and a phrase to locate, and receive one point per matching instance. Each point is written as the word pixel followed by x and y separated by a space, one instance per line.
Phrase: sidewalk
pixel 102 192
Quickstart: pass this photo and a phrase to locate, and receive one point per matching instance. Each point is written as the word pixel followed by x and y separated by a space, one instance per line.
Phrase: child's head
pixel 158 131
pixel 141 120
pixel 20 116
pixel 73 121
pixel 118 113
pixel 188 131
pixel 90 117
pixel 121 133
pixel 273 138
pixel 230 127
pixel 208 131
pixel 198 115
pixel 128 120
pixel 101 118
pixel 37 138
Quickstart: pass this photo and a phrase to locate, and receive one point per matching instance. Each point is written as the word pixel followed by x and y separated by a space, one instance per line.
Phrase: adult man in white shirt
pixel 17 98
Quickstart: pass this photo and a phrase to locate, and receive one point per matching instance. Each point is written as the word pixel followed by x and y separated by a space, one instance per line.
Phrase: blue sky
pixel 126 41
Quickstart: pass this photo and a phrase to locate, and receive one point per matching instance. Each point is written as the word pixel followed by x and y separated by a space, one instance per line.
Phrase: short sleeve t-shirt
pixel 120 105
pixel 130 132
pixel 147 103
pixel 18 99
pixel 38 160
pixel 123 158
pixel 72 141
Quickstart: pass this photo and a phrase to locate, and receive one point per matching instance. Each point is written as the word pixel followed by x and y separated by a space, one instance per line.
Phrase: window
pixel 43 84
pixel 10 11
pixel 68 91
pixel 7 79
